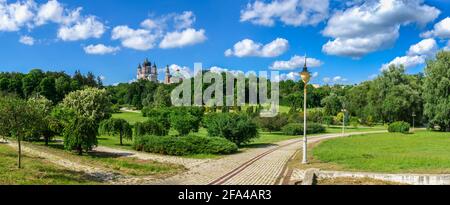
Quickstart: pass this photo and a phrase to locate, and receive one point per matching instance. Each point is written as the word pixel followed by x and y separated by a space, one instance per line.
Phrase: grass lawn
pixel 422 152
pixel 115 163
pixel 131 117
pixel 36 171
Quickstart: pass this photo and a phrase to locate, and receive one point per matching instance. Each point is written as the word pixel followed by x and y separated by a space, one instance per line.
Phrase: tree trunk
pixel 121 144
pixel 19 161
pixel 80 150
pixel 46 141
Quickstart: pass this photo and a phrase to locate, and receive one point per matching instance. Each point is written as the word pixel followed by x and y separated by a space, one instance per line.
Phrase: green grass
pixel 36 171
pixel 422 152
pixel 131 117
pixel 113 162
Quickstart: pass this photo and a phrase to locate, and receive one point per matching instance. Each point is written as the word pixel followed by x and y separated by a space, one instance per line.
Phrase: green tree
pixel 45 129
pixel 47 88
pixel 117 127
pixel 332 104
pixel 237 128
pixel 17 118
pixel 437 91
pixel 162 97
pixel 91 103
pixel 80 134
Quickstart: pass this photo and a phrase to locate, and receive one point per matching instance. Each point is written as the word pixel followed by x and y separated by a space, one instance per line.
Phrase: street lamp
pixel 414 120
pixel 306 76
pixel 343 121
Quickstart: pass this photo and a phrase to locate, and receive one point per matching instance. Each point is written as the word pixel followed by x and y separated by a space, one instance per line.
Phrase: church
pixel 149 72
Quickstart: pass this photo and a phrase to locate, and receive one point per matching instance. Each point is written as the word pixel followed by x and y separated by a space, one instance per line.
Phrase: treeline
pixel 52 85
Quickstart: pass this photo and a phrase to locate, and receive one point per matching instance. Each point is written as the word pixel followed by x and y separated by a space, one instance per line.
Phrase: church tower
pixel 168 77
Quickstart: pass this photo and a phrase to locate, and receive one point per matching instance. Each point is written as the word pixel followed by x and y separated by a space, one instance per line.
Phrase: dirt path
pixel 97 173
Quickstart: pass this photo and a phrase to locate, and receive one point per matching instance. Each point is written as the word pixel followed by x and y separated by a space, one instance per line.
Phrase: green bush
pixel 400 126
pixel 297 129
pixel 158 114
pixel 328 120
pixel 185 120
pixel 181 146
pixel 274 123
pixel 150 127
pixel 235 127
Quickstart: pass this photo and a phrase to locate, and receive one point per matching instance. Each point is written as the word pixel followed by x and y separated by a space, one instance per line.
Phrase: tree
pixel 332 104
pixel 47 88
pixel 43 108
pixel 117 127
pixel 91 103
pixel 237 128
pixel 80 134
pixel 17 118
pixel 162 97
pixel 437 91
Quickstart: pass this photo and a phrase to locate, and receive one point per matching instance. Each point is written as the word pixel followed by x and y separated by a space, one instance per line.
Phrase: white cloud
pixel 296 62
pixel 426 47
pixel 53 11
pixel 334 80
pixel 184 38
pixel 139 39
pixel 373 25
pixel 289 12
pixel 100 49
pixel 82 30
pixel 416 55
pixel 184 20
pixel 27 40
pixel 15 15
pixel 247 48
pixel 441 30
pixel 406 61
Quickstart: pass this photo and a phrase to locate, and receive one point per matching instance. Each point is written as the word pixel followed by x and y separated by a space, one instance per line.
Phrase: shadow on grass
pixel 104 155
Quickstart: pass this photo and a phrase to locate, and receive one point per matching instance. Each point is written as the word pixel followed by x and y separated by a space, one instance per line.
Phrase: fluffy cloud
pixel 100 49
pixel 289 12
pixel 27 40
pixel 14 16
pixel 334 80
pixel 247 47
pixel 139 39
pixel 82 30
pixel 373 25
pixel 53 11
pixel 296 62
pixel 178 39
pixel 426 47
pixel 184 20
pixel 441 30
pixel 416 55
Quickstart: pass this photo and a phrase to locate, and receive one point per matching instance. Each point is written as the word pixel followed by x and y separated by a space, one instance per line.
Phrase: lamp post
pixel 414 121
pixel 306 76
pixel 343 120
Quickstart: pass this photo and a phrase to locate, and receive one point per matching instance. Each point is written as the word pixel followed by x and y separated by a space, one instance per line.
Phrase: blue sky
pixel 347 41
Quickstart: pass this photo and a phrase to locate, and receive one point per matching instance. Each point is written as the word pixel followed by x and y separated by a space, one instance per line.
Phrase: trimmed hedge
pixel 402 127
pixel 181 146
pixel 297 129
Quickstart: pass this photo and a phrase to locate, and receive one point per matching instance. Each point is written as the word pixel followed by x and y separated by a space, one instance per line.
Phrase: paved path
pixel 259 166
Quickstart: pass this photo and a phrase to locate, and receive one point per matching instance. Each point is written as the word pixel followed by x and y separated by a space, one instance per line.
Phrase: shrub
pixel 158 114
pixel 274 123
pixel 185 120
pixel 150 127
pixel 237 128
pixel 180 146
pixel 297 129
pixel 328 120
pixel 354 122
pixel 400 126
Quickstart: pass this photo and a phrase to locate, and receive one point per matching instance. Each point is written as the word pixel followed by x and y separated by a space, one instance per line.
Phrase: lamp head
pixel 305 75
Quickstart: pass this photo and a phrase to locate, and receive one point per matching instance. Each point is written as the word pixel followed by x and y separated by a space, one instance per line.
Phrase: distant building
pixel 149 72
